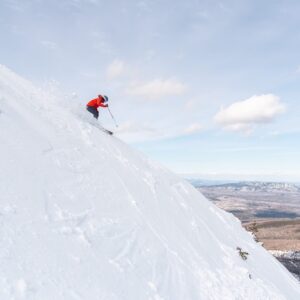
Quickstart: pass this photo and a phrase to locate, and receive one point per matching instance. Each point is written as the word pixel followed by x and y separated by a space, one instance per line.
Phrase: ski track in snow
pixel 83 216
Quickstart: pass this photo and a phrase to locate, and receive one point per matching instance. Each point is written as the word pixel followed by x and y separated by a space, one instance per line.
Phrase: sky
pixel 208 88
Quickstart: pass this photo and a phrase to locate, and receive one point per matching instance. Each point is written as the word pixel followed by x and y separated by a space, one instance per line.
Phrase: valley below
pixel 271 211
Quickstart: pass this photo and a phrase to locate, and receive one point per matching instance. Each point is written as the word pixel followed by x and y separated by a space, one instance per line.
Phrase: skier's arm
pixel 103 105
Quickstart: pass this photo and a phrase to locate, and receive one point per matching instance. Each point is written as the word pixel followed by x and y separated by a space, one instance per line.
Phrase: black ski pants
pixel 93 111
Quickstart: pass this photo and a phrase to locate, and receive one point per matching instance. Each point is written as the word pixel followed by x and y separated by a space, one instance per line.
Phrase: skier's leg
pixel 93 111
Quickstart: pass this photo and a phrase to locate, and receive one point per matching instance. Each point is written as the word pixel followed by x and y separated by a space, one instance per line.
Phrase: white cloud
pixel 157 88
pixel 244 115
pixel 115 69
pixel 246 129
pixel 193 128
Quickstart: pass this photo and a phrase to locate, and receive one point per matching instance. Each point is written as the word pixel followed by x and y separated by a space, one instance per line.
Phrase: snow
pixel 84 216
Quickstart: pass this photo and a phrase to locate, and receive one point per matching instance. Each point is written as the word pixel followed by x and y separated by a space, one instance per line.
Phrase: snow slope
pixel 83 216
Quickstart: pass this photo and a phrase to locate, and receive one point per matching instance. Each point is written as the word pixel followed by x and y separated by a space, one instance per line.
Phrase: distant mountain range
pixel 249 186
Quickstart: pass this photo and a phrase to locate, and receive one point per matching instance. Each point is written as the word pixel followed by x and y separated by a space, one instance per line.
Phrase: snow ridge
pixel 83 216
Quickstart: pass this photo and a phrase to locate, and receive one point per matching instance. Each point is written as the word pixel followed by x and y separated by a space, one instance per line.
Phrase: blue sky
pixel 205 87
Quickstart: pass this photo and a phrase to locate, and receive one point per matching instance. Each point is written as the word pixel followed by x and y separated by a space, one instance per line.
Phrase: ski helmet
pixel 105 98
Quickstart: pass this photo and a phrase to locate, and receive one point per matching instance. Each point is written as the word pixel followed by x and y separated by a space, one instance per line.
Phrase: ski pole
pixel 112 117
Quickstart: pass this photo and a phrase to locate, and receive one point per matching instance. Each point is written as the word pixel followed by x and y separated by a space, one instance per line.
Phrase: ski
pixel 107 131
pixel 97 125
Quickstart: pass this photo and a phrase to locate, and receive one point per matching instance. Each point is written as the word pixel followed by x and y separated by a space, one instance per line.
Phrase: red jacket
pixel 97 102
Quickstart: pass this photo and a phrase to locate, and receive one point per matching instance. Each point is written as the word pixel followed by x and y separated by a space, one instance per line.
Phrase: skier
pixel 92 106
